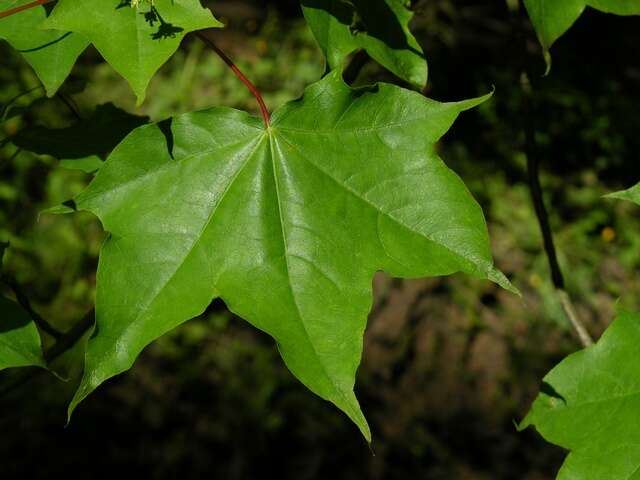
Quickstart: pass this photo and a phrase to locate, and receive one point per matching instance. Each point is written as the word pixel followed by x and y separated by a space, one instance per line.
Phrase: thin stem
pixel 252 88
pixel 5 108
pixel 26 6
pixel 64 343
pixel 533 173
pixel 26 304
pixel 69 104
pixel 570 311
pixel 69 339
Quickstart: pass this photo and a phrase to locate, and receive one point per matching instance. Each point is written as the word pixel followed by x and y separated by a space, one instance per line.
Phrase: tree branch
pixel 533 171
pixel 70 338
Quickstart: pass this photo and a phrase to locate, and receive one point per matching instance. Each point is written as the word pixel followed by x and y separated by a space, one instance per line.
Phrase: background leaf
pixel 552 18
pixel 96 135
pixel 589 404
pixel 19 337
pixel 136 42
pixel 381 27
pixel 51 53
pixel 287 225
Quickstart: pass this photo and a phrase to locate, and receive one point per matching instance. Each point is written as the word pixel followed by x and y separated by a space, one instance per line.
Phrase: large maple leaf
pixel 286 223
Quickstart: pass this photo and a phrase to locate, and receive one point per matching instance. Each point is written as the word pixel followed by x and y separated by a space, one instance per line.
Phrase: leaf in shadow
pixel 96 135
pixel 380 27
pixel 19 338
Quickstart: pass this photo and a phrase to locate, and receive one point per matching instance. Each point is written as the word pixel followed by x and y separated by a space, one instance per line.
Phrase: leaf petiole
pixel 252 88
pixel 21 8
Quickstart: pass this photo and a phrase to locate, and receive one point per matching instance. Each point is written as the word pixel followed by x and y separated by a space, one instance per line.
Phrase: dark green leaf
pixel 287 225
pixel 552 18
pixel 96 135
pixel 381 27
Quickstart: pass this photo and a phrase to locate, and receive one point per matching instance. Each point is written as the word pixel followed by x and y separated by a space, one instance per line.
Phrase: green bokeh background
pixel 449 363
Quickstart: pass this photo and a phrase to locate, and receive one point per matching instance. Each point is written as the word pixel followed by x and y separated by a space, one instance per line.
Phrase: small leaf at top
pixel 552 18
pixel 135 41
pixel 19 338
pixel 286 224
pixel 381 27
pixel 51 53
pixel 589 404
pixel 632 194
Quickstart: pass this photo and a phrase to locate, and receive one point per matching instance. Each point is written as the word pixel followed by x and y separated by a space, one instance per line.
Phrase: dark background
pixel 449 363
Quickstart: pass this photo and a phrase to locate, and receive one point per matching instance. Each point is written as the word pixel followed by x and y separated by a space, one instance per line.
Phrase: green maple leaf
pixel 632 194
pixel 552 18
pixel 589 404
pixel 136 43
pixel 381 27
pixel 286 224
pixel 51 53
pixel 19 337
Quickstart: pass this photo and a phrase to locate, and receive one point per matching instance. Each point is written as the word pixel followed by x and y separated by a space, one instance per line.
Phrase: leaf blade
pixel 278 224
pixel 631 194
pixel 50 53
pixel 136 44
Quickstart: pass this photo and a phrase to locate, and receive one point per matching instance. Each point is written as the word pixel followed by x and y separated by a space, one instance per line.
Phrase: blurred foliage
pixel 449 363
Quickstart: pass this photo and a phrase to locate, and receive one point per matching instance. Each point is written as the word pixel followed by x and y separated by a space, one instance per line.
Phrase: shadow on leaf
pixel 152 16
pixel 550 391
pixel 375 19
